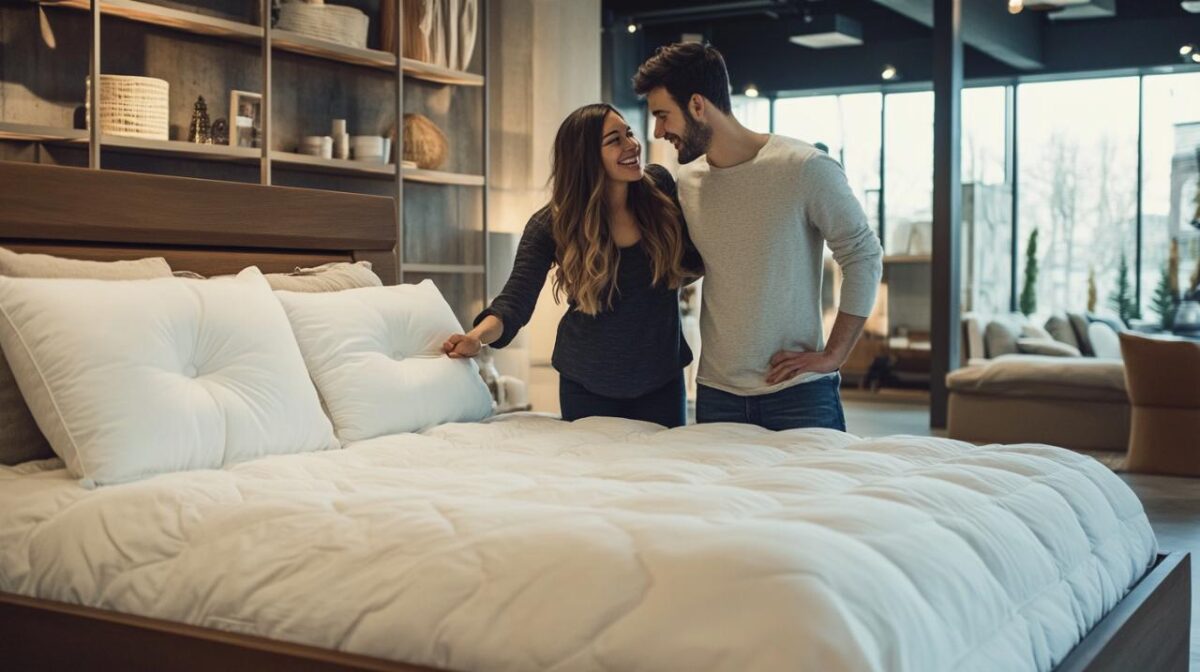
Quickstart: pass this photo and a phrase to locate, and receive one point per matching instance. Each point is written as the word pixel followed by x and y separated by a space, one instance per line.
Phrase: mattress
pixel 529 543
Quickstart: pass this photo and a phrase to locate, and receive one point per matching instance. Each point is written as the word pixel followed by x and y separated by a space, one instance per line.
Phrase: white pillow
pixel 375 354
pixel 1106 344
pixel 132 378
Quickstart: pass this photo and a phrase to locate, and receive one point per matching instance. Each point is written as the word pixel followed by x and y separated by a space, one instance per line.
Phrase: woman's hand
pixel 460 346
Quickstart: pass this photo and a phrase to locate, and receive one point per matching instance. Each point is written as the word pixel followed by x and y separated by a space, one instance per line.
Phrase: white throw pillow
pixel 132 378
pixel 375 354
pixel 1106 344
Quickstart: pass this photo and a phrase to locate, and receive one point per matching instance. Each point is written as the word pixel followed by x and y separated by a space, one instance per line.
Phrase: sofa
pixel 1025 384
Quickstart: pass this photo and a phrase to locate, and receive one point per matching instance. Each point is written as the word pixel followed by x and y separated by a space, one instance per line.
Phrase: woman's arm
pixel 499 323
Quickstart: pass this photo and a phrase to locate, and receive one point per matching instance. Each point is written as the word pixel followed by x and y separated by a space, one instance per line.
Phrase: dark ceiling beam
pixel 987 26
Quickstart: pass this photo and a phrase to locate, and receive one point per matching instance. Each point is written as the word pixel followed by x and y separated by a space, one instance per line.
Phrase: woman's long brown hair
pixel 586 254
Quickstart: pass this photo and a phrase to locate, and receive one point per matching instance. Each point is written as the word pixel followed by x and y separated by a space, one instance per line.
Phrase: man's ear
pixel 697 107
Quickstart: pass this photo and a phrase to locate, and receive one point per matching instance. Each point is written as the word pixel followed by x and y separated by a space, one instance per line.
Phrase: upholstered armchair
pixel 1163 380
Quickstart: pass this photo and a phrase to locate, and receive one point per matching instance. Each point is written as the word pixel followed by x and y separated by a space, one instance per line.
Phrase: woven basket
pixel 424 143
pixel 335 23
pixel 132 106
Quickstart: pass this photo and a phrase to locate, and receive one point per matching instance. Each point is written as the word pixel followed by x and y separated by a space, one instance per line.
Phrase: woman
pixel 615 234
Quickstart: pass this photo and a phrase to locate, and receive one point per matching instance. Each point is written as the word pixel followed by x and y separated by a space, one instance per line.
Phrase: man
pixel 759 207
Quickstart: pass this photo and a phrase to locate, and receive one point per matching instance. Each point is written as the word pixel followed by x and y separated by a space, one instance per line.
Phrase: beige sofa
pixel 1074 402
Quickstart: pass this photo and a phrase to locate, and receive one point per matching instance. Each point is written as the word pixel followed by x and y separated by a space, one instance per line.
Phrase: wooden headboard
pixel 206 226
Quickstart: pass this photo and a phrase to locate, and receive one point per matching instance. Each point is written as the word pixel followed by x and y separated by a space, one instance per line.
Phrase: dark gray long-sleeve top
pixel 629 350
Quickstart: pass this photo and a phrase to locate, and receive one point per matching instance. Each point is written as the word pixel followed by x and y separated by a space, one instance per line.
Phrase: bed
pixel 524 542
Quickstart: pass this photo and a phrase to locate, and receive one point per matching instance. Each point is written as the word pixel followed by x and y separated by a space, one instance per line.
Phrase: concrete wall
pixel 545 62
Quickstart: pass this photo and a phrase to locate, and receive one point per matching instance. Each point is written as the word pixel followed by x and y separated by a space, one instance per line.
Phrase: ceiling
pixel 753 35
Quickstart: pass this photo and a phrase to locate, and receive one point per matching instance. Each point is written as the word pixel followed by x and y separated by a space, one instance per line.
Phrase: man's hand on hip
pixel 787 364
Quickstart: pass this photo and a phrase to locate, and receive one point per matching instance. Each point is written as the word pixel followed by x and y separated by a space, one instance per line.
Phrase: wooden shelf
pixel 36 133
pixel 337 166
pixel 286 40
pixel 440 177
pixel 442 268
pixel 438 74
pixel 190 22
pixel 178 148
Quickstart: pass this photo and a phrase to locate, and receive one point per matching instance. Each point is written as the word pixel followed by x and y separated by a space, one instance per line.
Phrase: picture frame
pixel 245 119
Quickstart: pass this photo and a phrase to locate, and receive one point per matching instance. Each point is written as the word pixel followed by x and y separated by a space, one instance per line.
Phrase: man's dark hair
pixel 684 69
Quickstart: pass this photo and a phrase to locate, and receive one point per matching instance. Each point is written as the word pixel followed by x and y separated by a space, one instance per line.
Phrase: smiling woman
pixel 615 237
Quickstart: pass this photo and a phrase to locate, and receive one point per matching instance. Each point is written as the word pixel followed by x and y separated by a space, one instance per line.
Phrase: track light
pixel 889 73
pixel 1015 6
pixel 751 91
pixel 1196 56
pixel 631 28
pixel 1187 49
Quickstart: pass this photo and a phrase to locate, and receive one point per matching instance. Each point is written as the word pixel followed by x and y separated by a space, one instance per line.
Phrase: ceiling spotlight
pixel 890 73
pixel 631 28
pixel 751 91
pixel 1187 49
pixel 1015 6
pixel 1196 56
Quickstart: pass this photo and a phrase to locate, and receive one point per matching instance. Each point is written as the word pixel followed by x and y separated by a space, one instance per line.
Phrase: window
pixel 986 202
pixel 848 125
pixel 1170 175
pixel 1078 148
pixel 908 173
pixel 754 113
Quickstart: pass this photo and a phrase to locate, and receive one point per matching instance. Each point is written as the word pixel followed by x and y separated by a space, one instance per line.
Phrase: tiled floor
pixel 1172 504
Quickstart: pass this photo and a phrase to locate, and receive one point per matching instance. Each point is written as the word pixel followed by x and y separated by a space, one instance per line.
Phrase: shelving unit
pixel 460 209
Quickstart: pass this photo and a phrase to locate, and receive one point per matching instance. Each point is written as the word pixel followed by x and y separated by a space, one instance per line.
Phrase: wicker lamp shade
pixel 424 143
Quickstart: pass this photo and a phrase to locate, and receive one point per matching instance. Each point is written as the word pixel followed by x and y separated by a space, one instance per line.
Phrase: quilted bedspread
pixel 527 543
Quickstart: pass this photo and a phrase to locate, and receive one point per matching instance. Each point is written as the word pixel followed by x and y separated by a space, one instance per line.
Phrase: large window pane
pixel 753 113
pixel 908 171
pixel 1171 137
pixel 986 202
pixel 1078 148
pixel 849 126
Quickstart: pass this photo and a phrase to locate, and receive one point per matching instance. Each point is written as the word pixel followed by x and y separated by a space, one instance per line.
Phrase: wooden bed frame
pixel 220 227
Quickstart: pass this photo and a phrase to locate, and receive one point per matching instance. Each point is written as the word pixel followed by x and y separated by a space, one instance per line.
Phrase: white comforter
pixel 527 543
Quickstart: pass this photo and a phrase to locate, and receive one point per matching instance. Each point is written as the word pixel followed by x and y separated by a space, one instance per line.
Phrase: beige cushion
pixel 17 265
pixel 1060 329
pixel 973 337
pixel 326 278
pixel 332 277
pixel 1043 377
pixel 20 438
pixel 1034 331
pixel 1000 338
pixel 1046 346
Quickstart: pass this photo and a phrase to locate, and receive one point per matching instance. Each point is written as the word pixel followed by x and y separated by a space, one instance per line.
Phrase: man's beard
pixel 695 141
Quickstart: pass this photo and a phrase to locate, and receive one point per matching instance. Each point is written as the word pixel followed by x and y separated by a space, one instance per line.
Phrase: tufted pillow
pixel 375 354
pixel 129 379
pixel 20 438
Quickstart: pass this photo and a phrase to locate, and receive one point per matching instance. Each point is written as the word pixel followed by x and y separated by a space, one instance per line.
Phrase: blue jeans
pixel 815 404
